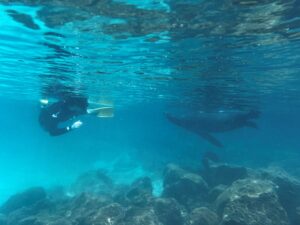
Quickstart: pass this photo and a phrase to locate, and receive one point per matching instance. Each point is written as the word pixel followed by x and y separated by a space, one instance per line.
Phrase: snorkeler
pixel 53 115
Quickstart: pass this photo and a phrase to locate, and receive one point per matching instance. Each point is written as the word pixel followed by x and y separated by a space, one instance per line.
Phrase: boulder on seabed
pixel 57 193
pixel 85 205
pixel 31 220
pixel 251 202
pixel 203 216
pixel 189 189
pixel 60 221
pixel 110 214
pixel 288 190
pixel 140 192
pixel 168 211
pixel 140 216
pixel 297 219
pixel 93 182
pixel 3 219
pixel 215 192
pixel 27 198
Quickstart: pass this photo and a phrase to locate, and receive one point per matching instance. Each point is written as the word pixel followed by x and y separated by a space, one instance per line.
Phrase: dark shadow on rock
pixel 216 174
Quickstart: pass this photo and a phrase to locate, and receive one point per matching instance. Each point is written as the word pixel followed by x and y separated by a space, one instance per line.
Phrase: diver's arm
pixel 76 124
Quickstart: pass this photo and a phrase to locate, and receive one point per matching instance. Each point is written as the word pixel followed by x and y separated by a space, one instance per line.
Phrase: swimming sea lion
pixel 204 123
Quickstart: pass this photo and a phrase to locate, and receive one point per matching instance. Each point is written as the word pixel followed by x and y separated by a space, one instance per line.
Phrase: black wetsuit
pixel 51 116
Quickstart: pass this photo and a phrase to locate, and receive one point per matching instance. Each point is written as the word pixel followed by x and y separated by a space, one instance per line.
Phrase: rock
pixel 187 188
pixel 93 182
pixel 120 195
pixel 57 193
pixel 85 205
pixel 27 216
pixel 140 192
pixel 297 219
pixel 251 202
pixel 82 209
pixel 42 223
pixel 215 192
pixel 173 173
pixel 3 219
pixel 168 211
pixel 203 216
pixel 17 215
pixel 60 222
pixel 140 216
pixel 25 199
pixel 210 157
pixel 224 174
pixel 110 214
pixel 288 190
pixel 28 221
pixel 89 201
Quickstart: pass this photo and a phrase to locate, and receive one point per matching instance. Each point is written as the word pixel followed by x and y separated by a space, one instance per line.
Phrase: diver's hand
pixel 76 124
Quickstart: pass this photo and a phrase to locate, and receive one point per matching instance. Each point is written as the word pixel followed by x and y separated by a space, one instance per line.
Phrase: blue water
pixel 150 58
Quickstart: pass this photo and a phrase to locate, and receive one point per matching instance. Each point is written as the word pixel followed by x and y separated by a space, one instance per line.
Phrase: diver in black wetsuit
pixel 58 118
pixel 51 116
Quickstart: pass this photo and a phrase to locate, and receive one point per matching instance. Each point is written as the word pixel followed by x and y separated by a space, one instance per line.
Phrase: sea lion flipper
pixel 211 139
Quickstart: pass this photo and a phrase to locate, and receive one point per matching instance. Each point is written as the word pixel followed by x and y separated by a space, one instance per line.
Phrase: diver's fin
pixel 211 139
pixel 251 124
pixel 106 102
pixel 105 112
pixel 102 102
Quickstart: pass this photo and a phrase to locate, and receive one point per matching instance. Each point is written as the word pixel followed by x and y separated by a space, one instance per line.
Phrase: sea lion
pixel 204 123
